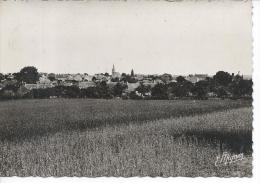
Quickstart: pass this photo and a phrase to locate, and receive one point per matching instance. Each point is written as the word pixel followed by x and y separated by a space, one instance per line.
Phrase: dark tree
pixel 51 76
pixel 12 87
pixel 130 79
pixel 94 79
pixel 6 76
pixel 212 85
pixel 116 79
pixel 103 90
pixel 29 75
pixel 17 76
pixel 180 79
pixel 181 89
pixel 133 96
pixel 90 92
pixel 123 75
pixel 246 87
pixel 159 91
pixel 221 92
pixel 223 78
pixel 143 89
pixel 2 77
pixel 166 77
pixel 201 89
pixel 242 88
pixel 73 92
pixel 118 89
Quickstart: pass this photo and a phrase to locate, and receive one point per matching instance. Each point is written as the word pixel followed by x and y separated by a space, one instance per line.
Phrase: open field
pixel 123 138
pixel 27 118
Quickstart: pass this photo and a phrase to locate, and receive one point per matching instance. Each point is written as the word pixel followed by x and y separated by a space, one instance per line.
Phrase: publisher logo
pixel 227 159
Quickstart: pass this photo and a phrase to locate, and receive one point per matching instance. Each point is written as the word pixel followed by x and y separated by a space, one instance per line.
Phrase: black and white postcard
pixel 126 88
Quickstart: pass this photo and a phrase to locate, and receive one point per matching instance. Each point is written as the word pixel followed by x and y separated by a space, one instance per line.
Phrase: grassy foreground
pixel 184 146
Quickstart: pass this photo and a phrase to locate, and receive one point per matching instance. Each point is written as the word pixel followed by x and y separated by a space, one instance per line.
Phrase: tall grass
pixel 164 147
pixel 28 118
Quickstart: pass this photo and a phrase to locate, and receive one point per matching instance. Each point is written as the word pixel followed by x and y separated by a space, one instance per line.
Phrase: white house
pixel 86 84
pixel 77 77
pixel 44 80
pixel 87 78
pixel 131 87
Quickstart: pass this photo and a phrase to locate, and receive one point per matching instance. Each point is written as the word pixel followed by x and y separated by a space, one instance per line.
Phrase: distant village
pixel 124 85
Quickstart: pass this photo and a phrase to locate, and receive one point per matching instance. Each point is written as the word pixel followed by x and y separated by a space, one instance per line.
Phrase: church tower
pixel 113 70
pixel 114 73
pixel 132 73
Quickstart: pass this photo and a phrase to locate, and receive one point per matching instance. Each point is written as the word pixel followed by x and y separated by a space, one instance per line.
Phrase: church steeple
pixel 132 73
pixel 113 69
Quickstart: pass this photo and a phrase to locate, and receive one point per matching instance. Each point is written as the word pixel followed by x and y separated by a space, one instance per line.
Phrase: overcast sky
pixel 150 37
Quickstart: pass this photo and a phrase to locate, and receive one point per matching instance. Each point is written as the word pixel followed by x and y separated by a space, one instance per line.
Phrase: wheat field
pixel 153 138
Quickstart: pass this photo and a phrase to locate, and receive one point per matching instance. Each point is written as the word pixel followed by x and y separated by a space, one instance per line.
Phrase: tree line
pixel 221 85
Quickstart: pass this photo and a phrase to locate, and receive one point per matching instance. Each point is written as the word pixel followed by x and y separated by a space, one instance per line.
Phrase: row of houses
pixel 84 81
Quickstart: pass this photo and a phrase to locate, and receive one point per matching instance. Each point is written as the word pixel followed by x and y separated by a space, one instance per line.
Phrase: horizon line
pixel 93 73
